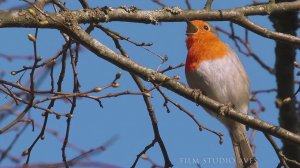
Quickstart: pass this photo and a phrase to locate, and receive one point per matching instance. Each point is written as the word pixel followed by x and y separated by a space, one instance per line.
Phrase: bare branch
pixel 32 95
pixel 277 150
pixel 208 4
pixel 143 152
pixel 188 4
pixel 13 57
pixel 283 159
pixel 245 43
pixel 155 77
pixel 41 135
pixel 17 136
pixel 84 4
pixel 150 109
pixel 76 86
pixel 158 2
pixel 200 126
pixel 245 22
pixel 172 68
pixel 238 15
pixel 68 23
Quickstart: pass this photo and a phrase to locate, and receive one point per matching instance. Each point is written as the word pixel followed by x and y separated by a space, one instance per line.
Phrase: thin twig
pixel 208 4
pixel 143 152
pixel 158 2
pixel 151 113
pixel 119 36
pixel 151 75
pixel 84 4
pixel 245 43
pixel 74 103
pixel 169 68
pixel 277 150
pixel 188 4
pixel 9 57
pixel 51 104
pixel 191 115
pixel 33 39
pixel 10 146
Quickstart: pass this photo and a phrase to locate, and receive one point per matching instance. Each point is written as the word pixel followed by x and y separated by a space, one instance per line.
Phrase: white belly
pixel 223 80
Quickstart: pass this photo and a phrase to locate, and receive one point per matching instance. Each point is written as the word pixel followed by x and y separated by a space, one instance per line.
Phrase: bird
pixel 214 68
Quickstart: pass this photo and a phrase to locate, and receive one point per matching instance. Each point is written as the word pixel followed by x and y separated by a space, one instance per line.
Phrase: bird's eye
pixel 206 27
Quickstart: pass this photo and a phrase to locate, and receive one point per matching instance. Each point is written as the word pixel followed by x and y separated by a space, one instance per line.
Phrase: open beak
pixel 191 28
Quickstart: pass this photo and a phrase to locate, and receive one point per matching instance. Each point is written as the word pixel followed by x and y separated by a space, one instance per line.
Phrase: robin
pixel 214 68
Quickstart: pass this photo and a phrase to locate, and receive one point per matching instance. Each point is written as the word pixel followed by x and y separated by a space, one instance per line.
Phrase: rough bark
pixel 284 67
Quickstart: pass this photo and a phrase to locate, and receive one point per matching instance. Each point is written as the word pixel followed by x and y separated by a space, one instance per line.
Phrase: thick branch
pixel 176 14
pixel 27 18
pixel 173 85
pixel 285 72
pixel 248 24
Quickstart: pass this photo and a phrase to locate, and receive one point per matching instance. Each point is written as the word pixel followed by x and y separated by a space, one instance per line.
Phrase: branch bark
pixel 284 68
pixel 27 18
pixel 68 22
pixel 153 76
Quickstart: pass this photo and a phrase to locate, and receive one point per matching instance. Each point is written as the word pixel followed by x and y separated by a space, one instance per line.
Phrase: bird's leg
pixel 224 108
pixel 196 93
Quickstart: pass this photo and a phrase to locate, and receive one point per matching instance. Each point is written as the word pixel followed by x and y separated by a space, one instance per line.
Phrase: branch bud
pixel 31 37
pixel 69 115
pixel 43 22
pixel 147 94
pixel 39 58
pixel 118 75
pixel 280 102
pixel 221 141
pixel 31 11
pixel 177 77
pixel 97 89
pixel 115 84
pixel 13 73
pixel 286 100
pixel 296 64
pixel 25 152
pixel 144 156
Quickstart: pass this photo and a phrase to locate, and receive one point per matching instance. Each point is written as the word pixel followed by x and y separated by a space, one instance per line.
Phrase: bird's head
pixel 199 28
pixel 203 44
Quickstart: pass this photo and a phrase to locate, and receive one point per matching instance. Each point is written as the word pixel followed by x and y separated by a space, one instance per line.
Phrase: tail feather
pixel 244 156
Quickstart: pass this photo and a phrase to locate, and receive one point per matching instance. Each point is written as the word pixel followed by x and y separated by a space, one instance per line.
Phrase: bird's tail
pixel 244 156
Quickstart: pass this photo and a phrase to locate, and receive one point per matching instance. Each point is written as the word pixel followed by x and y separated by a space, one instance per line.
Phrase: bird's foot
pixel 224 108
pixel 196 94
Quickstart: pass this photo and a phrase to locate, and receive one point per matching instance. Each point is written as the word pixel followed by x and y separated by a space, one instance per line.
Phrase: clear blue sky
pixel 127 116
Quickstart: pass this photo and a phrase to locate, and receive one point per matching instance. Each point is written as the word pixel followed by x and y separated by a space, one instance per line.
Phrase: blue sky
pixel 126 117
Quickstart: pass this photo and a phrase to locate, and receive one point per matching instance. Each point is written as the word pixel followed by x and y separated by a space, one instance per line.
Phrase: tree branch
pixel 150 109
pixel 27 18
pixel 248 24
pixel 277 150
pixel 153 76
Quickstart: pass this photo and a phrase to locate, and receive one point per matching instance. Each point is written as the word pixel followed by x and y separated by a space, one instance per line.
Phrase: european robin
pixel 214 68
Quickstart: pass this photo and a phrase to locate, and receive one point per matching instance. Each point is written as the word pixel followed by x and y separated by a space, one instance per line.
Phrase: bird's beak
pixel 191 28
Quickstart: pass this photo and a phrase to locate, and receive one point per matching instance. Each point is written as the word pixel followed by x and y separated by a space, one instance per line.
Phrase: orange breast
pixel 202 49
